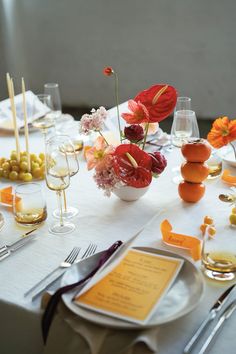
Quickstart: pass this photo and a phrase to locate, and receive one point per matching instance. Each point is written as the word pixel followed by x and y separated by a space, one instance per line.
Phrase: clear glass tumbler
pixel 29 204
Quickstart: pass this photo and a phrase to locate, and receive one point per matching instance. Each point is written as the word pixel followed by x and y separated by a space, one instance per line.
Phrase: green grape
pixel 27 177
pixel 34 165
pixel 5 173
pixel 13 156
pixel 1 171
pixel 37 172
pixel 24 166
pixel 21 175
pixel 14 163
pixel 23 153
pixel 23 159
pixel 33 157
pixel 6 166
pixel 42 156
pixel 13 175
pixel 39 161
pixel 15 168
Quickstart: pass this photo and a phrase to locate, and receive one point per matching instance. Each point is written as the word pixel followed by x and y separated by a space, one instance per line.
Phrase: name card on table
pixel 132 290
pixel 191 243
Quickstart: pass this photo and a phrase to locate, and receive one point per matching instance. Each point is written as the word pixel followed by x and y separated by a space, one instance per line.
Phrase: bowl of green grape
pixel 15 170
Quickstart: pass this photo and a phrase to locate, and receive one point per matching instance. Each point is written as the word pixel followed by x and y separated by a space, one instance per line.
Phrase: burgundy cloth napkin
pixel 53 302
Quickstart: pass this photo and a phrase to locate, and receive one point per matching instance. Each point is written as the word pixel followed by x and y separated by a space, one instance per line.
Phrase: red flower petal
pixel 108 71
pixel 139 176
pixel 160 101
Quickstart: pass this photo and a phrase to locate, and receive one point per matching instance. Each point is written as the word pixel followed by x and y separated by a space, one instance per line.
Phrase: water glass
pixel 52 89
pixel 29 204
pixel 218 254
pixel 184 126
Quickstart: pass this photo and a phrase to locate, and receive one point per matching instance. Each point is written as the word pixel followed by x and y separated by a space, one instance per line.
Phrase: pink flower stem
pixel 145 135
pixel 103 137
pixel 233 150
pixel 117 103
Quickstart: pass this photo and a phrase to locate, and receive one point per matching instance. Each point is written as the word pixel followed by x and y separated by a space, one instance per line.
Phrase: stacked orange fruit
pixel 194 170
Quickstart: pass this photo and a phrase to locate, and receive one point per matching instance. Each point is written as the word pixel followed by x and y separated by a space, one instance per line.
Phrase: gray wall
pixel 187 43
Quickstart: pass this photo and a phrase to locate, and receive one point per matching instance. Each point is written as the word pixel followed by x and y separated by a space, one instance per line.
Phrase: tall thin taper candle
pixel 25 123
pixel 11 94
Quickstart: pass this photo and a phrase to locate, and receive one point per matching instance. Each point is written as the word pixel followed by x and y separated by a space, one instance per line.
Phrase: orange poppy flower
pixel 222 133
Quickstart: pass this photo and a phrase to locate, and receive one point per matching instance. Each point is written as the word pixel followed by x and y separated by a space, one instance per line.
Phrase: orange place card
pixel 6 196
pixel 228 178
pixel 132 290
pixel 181 241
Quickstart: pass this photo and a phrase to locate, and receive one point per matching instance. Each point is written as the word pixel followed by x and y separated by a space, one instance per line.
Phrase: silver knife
pixel 6 250
pixel 226 314
pixel 212 314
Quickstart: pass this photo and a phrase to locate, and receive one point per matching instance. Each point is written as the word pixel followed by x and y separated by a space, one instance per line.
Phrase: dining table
pixel 102 221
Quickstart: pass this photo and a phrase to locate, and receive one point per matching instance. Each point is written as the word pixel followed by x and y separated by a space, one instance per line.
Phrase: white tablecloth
pixel 102 220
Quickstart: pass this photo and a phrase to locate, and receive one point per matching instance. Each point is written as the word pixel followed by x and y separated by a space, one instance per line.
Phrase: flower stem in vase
pixel 117 103
pixel 145 135
pixel 100 133
pixel 234 150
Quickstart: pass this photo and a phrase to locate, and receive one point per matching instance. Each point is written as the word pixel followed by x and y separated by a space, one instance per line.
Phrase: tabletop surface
pixel 103 220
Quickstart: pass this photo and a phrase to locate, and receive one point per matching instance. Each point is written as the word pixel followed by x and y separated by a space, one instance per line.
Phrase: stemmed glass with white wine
pixel 43 120
pixel 58 179
pixel 73 163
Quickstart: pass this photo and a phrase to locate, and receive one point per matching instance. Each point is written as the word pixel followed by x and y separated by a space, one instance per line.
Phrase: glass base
pixel 58 229
pixel 69 213
pixel 219 276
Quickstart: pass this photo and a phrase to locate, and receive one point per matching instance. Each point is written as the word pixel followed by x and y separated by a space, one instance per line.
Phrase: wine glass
pixel 73 163
pixel 43 120
pixel 58 179
pixel 184 127
pixel 183 103
pixel 52 89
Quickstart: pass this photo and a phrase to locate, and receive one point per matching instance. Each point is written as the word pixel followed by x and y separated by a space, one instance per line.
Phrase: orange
pixel 191 192
pixel 194 172
pixel 198 150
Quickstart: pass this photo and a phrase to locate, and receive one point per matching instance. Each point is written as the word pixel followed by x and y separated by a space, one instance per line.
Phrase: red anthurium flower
pixel 159 100
pixel 133 165
pixel 139 113
pixel 108 71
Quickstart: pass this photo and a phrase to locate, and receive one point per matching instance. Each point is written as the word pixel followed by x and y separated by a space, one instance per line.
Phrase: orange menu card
pixel 133 289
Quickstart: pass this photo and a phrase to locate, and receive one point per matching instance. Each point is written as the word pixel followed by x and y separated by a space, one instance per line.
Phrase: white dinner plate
pixel 182 298
pixel 1 221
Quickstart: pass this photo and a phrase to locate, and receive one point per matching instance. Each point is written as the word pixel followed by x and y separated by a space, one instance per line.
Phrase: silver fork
pixel 91 249
pixel 70 259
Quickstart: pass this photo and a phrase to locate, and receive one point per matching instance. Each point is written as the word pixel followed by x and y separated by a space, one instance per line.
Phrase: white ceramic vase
pixel 130 194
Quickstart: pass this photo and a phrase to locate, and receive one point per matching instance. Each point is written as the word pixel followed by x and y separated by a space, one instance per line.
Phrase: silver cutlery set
pixel 210 317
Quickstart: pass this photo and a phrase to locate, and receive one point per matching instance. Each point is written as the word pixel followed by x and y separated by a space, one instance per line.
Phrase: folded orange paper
pixel 228 178
pixel 6 196
pixel 191 243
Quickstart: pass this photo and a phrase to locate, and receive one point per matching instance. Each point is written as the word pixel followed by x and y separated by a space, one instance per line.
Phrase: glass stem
pixel 64 199
pixel 60 207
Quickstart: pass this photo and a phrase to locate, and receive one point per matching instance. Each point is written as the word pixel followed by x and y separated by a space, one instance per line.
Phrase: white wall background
pixel 187 43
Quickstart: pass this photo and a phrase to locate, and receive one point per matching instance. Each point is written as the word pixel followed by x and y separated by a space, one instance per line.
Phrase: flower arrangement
pixel 128 164
pixel 222 133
